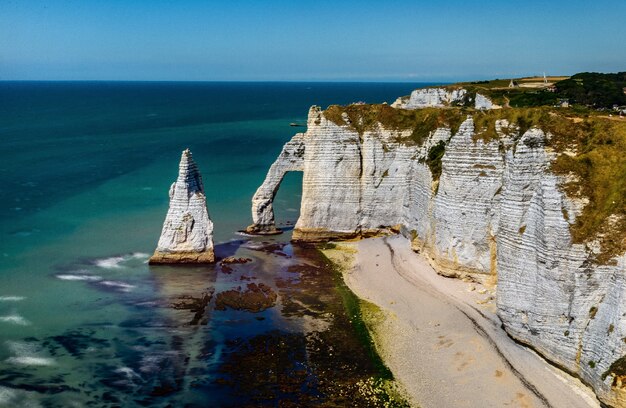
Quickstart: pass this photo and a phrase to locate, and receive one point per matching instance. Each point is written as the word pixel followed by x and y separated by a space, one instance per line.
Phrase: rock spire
pixel 187 235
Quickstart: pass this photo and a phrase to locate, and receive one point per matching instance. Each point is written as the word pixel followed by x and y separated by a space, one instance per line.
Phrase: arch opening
pixel 291 159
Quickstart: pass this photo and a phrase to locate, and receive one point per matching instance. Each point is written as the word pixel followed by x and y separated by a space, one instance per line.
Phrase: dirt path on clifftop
pixel 443 340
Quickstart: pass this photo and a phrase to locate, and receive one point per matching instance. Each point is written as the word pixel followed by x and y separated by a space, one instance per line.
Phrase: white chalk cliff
pixel 291 159
pixel 187 235
pixel 430 97
pixel 495 212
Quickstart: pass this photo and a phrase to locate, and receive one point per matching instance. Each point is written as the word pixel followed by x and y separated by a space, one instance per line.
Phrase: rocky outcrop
pixel 490 209
pixel 187 235
pixel 440 98
pixel 430 98
pixel 291 158
pixel 482 102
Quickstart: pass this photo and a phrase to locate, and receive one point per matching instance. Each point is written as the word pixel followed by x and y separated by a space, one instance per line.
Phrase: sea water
pixel 85 168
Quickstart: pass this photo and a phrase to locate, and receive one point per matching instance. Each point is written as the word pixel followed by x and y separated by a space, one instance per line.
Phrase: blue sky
pixel 308 40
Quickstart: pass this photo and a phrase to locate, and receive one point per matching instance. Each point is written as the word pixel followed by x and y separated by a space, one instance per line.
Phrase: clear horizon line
pixel 337 80
pixel 238 80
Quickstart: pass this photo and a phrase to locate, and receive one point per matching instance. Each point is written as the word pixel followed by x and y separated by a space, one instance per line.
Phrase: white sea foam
pixel 125 287
pixel 128 372
pixel 150 363
pixel 10 397
pixel 110 263
pixel 15 319
pixel 253 245
pixel 78 277
pixel 11 298
pixel 148 303
pixel 21 347
pixel 27 354
pixel 6 396
pixel 31 361
pixel 140 255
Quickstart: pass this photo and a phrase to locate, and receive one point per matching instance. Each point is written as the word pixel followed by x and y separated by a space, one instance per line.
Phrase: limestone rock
pixel 187 235
pixel 482 102
pixel 439 98
pixel 496 212
pixel 291 158
pixel 430 98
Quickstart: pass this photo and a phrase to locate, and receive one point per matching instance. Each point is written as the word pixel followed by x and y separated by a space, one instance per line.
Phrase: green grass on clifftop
pixel 600 176
pixel 594 89
pixel 590 89
pixel 590 153
pixel 421 122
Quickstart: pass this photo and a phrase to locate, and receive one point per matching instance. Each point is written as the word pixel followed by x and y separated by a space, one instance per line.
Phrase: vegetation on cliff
pixel 599 172
pixel 421 122
pixel 589 89
pixel 594 89
pixel 433 159
pixel 590 151
pixel 589 147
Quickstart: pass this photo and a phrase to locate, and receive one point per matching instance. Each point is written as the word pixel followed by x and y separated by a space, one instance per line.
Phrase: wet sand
pixel 443 340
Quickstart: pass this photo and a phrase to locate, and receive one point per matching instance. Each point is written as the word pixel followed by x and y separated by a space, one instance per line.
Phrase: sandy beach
pixel 442 339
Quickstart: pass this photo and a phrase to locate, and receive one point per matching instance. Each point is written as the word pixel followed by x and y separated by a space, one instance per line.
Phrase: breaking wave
pixel 15 319
pixel 110 263
pixel 27 354
pixel 78 277
pixel 116 262
pixel 11 298
pixel 128 372
pixel 10 397
pixel 124 287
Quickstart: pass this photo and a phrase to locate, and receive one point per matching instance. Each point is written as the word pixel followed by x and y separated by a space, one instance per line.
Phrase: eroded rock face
pixel 482 102
pixel 430 98
pixel 187 235
pixel 291 158
pixel 440 98
pixel 550 295
pixel 496 212
pixel 465 210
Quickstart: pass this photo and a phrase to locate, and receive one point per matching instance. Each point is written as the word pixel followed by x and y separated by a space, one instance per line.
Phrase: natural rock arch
pixel 291 158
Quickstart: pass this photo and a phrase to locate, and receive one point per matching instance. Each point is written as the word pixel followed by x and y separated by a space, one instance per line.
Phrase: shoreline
pixel 383 388
pixel 442 338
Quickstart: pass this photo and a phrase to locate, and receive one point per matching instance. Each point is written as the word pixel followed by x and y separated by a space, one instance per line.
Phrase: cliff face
pixel 489 208
pixel 442 97
pixel 430 97
pixel 187 235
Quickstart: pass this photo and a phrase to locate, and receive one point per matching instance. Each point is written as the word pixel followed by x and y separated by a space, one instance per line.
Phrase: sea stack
pixel 187 235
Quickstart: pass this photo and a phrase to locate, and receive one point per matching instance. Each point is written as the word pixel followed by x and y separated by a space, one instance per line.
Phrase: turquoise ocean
pixel 85 169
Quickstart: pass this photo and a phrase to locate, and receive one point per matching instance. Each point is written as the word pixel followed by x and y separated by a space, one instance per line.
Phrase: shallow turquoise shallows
pixel 84 174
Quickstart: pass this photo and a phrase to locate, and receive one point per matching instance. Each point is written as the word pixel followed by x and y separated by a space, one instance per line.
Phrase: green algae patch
pixel 421 122
pixel 316 356
pixel 365 317
pixel 352 303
